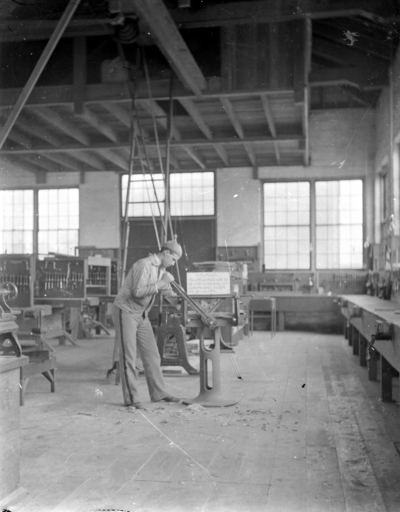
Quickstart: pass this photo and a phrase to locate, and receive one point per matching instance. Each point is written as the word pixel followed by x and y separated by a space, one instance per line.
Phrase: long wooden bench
pixel 372 326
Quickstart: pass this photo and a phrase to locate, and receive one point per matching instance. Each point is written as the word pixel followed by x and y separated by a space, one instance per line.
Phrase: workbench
pixel 297 310
pixel 372 326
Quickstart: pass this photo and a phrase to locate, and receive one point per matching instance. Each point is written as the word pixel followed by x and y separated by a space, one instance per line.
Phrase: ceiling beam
pixel 193 110
pixel 271 11
pixel 222 153
pixel 361 78
pixel 118 111
pixel 268 114
pixel 20 138
pixel 230 112
pixel 90 160
pixel 65 160
pixel 53 118
pixel 192 152
pixel 154 109
pixel 94 121
pixel 37 71
pixel 31 127
pixel 62 95
pixel 225 141
pixel 117 160
pixel 28 30
pixel 165 33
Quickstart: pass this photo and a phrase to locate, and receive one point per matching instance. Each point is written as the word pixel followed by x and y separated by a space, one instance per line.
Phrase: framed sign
pixel 207 284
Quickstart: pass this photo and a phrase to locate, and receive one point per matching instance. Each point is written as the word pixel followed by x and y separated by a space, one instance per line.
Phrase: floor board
pixel 309 433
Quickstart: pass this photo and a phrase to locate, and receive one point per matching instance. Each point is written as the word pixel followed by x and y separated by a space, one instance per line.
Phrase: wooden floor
pixel 309 433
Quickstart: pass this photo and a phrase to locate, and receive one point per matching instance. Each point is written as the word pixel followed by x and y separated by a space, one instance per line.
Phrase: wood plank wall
pixel 260 56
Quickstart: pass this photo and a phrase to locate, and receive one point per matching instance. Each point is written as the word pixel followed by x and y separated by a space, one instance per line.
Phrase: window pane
pixel 192 194
pixel 287 225
pixel 58 220
pixel 16 224
pixel 339 224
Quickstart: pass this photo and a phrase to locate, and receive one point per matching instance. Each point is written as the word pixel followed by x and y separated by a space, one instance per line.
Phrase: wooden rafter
pixel 277 153
pixel 348 76
pixel 54 119
pixel 115 159
pixel 94 121
pixel 195 156
pixel 165 33
pixel 154 109
pixel 30 127
pixel 37 71
pixel 197 117
pixel 90 160
pixel 268 114
pixel 230 112
pixel 119 112
pixel 64 160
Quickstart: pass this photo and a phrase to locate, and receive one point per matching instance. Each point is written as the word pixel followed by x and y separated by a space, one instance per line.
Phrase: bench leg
pixel 346 329
pixel 281 321
pixel 386 380
pixel 50 376
pixel 363 351
pixel 373 365
pixel 355 340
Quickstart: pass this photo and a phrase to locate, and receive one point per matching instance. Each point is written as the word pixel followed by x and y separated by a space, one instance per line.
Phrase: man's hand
pixel 163 283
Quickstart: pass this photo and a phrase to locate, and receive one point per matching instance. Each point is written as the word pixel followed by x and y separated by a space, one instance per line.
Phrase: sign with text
pixel 208 283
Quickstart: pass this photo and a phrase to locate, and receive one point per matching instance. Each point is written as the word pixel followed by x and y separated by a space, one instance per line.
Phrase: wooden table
pixel 363 316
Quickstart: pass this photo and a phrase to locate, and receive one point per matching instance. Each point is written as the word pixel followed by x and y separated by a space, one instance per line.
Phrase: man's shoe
pixel 170 398
pixel 136 405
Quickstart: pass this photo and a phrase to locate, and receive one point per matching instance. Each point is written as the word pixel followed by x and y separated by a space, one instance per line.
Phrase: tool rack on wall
pixel 20 270
pixel 60 278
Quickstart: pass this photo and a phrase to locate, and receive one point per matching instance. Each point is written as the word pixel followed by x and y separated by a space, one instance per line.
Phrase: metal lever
pixel 207 319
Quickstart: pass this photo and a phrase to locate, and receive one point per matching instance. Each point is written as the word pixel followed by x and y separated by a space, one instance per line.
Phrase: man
pixel 133 329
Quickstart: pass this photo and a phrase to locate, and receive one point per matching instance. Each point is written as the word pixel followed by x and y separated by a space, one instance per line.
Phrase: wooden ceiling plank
pixel 53 118
pixel 31 127
pixel 94 121
pixel 15 166
pixel 230 112
pixel 165 33
pixel 41 162
pixel 37 71
pixel 20 138
pixel 197 117
pixel 268 114
pixel 194 156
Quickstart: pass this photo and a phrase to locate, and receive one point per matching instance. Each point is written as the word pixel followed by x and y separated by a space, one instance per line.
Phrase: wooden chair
pixel 263 308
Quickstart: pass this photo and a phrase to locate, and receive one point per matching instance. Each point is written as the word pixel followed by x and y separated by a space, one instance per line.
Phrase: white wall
pixel 100 210
pixel 239 208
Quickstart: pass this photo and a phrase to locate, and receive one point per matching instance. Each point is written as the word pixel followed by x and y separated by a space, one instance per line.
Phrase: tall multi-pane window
pixel 16 221
pixel 145 191
pixel 287 226
pixel 58 220
pixel 339 224
pixel 192 193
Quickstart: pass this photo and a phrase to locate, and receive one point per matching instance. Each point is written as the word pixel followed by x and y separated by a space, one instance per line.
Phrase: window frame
pixel 313 224
pixel 168 192
pixel 36 189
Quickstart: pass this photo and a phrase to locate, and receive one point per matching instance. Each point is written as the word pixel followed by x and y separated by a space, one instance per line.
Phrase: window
pixel 58 220
pixel 339 224
pixel 144 193
pixel 192 193
pixel 287 225
pixel 16 221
